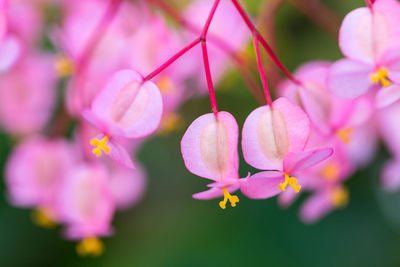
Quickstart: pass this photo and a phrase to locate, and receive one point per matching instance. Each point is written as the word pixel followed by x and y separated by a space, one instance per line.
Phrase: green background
pixel 169 228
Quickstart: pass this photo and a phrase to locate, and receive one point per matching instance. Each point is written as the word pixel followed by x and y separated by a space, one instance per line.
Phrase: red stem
pixel 262 73
pixel 208 22
pixel 209 79
pixel 263 42
pixel 172 59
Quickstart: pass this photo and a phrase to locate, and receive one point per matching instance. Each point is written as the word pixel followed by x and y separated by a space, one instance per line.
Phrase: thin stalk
pixel 209 79
pixel 262 73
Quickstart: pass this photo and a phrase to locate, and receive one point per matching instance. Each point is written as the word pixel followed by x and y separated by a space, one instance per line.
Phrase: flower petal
pixel 295 162
pixel 387 96
pixel 315 207
pixel 263 185
pixel 209 147
pixel 349 78
pixel 119 154
pixel 390 175
pixel 215 192
pixel 129 104
pixel 10 50
pixel 268 135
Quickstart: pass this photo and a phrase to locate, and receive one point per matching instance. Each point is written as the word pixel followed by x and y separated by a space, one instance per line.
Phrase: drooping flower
pixel 209 150
pixel 369 38
pixel 126 107
pixel 87 207
pixel 274 139
pixel 35 173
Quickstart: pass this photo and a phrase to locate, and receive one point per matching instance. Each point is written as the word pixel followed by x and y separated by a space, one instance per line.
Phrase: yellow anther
pixel 90 246
pixel 100 145
pixel 42 218
pixel 63 66
pixel 290 181
pixel 339 196
pixel 345 135
pixel 232 199
pixel 381 76
pixel 331 172
pixel 171 122
pixel 166 85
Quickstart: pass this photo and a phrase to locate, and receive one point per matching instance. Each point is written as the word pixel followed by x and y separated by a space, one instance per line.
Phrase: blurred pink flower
pixel 368 38
pixel 36 170
pixel 27 95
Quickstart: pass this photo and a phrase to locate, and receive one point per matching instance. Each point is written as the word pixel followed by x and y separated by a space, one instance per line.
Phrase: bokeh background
pixel 169 228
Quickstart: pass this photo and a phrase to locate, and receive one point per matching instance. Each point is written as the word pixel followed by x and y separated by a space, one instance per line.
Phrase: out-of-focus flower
pixel 86 206
pixel 274 139
pixel 126 107
pixel 369 38
pixel 35 173
pixel 209 149
pixel 27 95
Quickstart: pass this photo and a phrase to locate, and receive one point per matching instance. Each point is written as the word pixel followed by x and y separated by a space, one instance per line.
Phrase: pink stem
pixel 263 42
pixel 172 59
pixel 262 73
pixel 210 17
pixel 209 79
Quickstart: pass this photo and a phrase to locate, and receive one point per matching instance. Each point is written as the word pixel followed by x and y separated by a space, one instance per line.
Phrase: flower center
pixel 63 66
pixel 345 135
pixel 90 246
pixel 290 181
pixel 42 217
pixel 100 145
pixel 339 196
pixel 232 199
pixel 381 76
pixel 166 85
pixel 330 172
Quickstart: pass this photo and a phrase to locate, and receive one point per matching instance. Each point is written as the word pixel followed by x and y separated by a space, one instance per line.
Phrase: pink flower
pixel 274 139
pixel 368 38
pixel 27 95
pixel 35 172
pixel 86 202
pixel 126 107
pixel 3 18
pixel 209 149
pixel 323 202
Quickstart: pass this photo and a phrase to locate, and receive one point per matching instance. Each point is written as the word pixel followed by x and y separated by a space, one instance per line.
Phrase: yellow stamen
pixel 171 122
pixel 331 172
pixel 381 76
pixel 42 218
pixel 63 66
pixel 232 199
pixel 100 145
pixel 90 246
pixel 339 196
pixel 345 135
pixel 166 86
pixel 290 181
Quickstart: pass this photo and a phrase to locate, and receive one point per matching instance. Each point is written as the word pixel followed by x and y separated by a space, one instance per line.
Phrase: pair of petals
pixel 266 184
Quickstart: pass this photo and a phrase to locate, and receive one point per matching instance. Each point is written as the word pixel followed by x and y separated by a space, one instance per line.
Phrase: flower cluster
pixel 77 87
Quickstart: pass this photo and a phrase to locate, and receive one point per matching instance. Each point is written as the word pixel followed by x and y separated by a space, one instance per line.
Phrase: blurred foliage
pixel 169 228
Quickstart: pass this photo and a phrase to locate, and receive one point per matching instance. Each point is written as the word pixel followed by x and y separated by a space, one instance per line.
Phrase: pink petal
pixel 269 135
pixel 119 154
pixel 285 199
pixel 127 186
pixel 390 175
pixel 209 147
pixel 263 185
pixel 295 162
pixel 349 79
pixel 315 207
pixel 215 192
pixel 387 96
pixel 127 104
pixel 10 50
pixel 389 127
